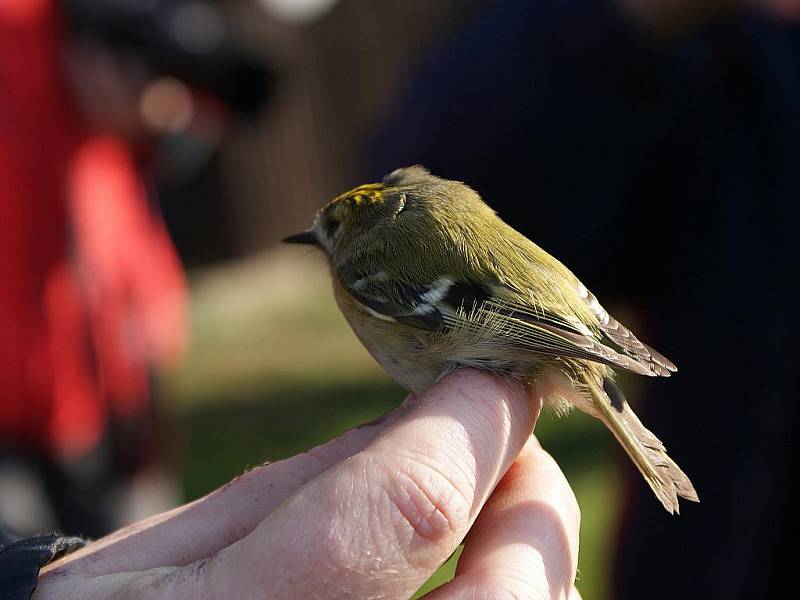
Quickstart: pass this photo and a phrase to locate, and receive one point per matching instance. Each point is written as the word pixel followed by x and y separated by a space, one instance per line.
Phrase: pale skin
pixel 369 515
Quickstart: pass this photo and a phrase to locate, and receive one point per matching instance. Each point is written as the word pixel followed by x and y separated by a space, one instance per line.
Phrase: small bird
pixel 431 279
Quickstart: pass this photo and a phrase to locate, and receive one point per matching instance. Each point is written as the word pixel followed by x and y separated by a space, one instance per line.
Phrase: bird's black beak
pixel 304 237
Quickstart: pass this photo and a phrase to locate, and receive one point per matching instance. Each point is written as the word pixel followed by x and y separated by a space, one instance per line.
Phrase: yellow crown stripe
pixel 369 192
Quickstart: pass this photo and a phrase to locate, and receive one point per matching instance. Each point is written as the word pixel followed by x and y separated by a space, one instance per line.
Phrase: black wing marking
pixel 446 304
pixel 398 301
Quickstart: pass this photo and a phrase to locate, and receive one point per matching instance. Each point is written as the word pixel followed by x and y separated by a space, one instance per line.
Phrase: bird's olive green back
pixel 418 228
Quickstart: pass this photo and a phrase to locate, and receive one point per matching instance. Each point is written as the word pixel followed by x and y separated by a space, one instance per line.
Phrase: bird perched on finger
pixel 431 279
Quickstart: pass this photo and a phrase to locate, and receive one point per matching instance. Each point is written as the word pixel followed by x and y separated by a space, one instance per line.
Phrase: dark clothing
pixel 20 562
pixel 669 176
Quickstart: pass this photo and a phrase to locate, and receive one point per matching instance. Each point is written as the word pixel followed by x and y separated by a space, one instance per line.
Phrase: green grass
pixel 225 438
pixel 274 370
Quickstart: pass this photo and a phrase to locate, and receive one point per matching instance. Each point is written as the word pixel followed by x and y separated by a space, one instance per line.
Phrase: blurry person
pixel 654 146
pixel 93 298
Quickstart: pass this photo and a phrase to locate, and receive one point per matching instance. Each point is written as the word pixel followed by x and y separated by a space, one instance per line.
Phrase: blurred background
pixel 155 341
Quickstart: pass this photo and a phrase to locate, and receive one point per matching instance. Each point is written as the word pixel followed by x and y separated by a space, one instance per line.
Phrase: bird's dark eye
pixel 331 226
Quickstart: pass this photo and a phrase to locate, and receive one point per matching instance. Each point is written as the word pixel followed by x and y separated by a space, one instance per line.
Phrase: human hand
pixel 371 514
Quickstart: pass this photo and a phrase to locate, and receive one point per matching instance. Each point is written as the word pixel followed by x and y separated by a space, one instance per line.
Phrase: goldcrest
pixel 431 279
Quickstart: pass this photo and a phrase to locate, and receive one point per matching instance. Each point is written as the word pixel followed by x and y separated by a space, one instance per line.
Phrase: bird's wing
pixel 620 335
pixel 446 303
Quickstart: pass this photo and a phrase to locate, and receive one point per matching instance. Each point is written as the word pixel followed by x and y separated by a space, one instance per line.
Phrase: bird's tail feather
pixel 647 452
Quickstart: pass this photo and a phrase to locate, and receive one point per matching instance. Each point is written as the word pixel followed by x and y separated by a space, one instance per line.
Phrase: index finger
pixel 378 523
pixel 203 527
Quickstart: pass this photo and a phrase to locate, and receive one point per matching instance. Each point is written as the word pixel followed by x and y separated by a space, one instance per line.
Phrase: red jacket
pixel 92 295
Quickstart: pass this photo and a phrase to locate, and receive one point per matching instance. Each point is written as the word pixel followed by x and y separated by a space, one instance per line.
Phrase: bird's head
pixel 346 219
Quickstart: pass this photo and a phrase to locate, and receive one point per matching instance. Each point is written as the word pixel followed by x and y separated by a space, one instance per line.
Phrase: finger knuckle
pixel 423 504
